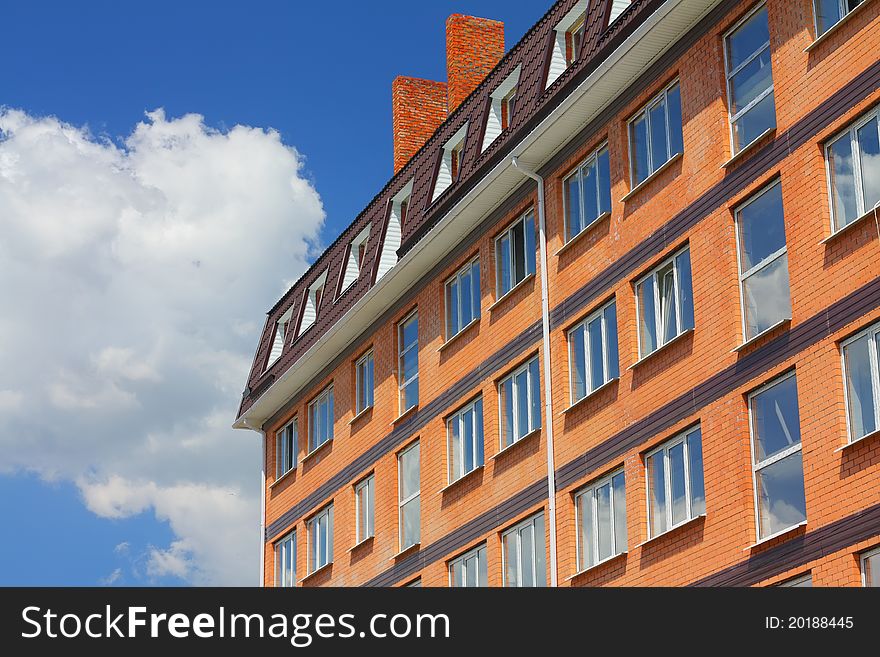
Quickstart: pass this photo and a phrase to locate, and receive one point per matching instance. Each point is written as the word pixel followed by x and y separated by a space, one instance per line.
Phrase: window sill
pixel 357 546
pixel 316 450
pixel 660 348
pixel 858 441
pixel 314 573
pixel 415 547
pixel 747 148
pixel 412 409
pixel 461 332
pixel 870 213
pixel 596 565
pixel 507 294
pixel 635 190
pixel 360 415
pixel 577 238
pixel 282 478
pixel 505 450
pixel 756 338
pixel 686 523
pixel 466 475
pixel 833 28
pixel 781 532
pixel 590 394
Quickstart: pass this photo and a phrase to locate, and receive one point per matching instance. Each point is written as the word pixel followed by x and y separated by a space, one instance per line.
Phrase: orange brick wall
pixel 418 108
pixel 473 47
pixel 838 482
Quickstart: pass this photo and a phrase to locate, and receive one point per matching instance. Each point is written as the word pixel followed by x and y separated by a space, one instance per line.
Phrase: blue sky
pixel 117 464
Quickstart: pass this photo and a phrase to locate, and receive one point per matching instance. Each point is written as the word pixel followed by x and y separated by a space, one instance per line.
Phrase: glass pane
pixel 411 332
pixel 411 523
pixel 455 449
pixel 611 357
pixel 869 157
pixel 511 559
pixel 522 403
pixel 604 175
pixel 603 513
pixel 761 228
pixel 506 392
pixel 527 541
pixel 597 356
pixel 591 194
pixel 540 565
pixel 668 312
pixel 329 537
pixel 748 38
pixel 531 251
pixel 410 364
pixel 638 150
pixel 766 297
pixel 502 258
pixel 753 123
pixel 860 388
pixel 369 378
pixel 843 182
pixel 483 579
pixel 478 435
pixel 535 382
pixel 780 489
pixel 519 252
pixel 827 14
pixel 617 482
pixel 573 206
pixel 409 472
pixel 578 363
pixel 695 470
pixel 750 82
pixel 659 145
pixel 685 289
pixel 467 440
pixel 673 110
pixel 456 570
pixel 452 307
pixel 470 565
pixel 647 317
pixel 411 395
pixel 330 415
pixel 871 565
pixel 775 419
pixel 657 493
pixel 467 307
pixel 475 290
pixel 585 538
pixel 677 491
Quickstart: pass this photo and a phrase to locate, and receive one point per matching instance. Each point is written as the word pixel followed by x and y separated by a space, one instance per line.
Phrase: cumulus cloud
pixel 136 274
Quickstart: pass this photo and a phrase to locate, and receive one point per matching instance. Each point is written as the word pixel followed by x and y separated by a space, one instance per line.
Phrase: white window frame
pixel 478 553
pixel 756 466
pixel 508 232
pixel 402 502
pixel 645 111
pixel 359 365
pixel 279 339
pixel 398 213
pixel 284 547
pixel 516 529
pixel 500 107
pixel 402 350
pixel 459 418
pixel 470 267
pixel 873 334
pixel 445 179
pixel 317 550
pixel 863 558
pixel 852 132
pixel 559 62
pixel 664 449
pixel 351 272
pixel 282 455
pixel 657 317
pixel 607 357
pixel 591 160
pixel 368 487
pixel 733 118
pixel 767 262
pixel 314 297
pixel 590 489
pixel 514 392
pixel 844 12
pixel 797 580
pixel 323 397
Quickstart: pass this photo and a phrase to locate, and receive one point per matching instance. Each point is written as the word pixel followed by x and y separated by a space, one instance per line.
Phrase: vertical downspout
pixel 548 388
pixel 262 502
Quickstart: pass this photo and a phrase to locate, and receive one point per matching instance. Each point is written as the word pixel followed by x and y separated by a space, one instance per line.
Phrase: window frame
pixel 358 365
pixel 458 416
pixel 590 489
pixel 508 232
pixel 607 356
pixel 664 448
pixel 363 534
pixel 728 75
pixel 401 352
pixel 287 542
pixel 670 259
pixel 511 376
pixel 478 552
pixel 313 541
pixel 591 160
pixel 472 265
pixel 401 502
pixel 280 445
pixel 326 395
pixel 863 558
pixel 844 13
pixel 517 528
pixel 645 111
pixel 872 332
pixel 797 581
pixel 850 132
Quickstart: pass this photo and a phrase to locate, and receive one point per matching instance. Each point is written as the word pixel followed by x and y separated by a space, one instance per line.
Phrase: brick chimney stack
pixel 473 47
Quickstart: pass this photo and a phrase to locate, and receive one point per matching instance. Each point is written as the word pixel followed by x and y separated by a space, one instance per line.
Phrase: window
pixel 776 453
pixel 391 241
pixel 665 303
pixel 830 12
pixel 871 568
pixel 415 584
pixel 321 419
pixel 854 171
pixel 568 41
pixel 587 193
pixel 409 497
pixel 861 369
pixel 617 8
pixel 462 298
pixel 574 40
pixel 464 432
pixel 592 352
pixel 799 581
pixel 321 539
pixel 364 382
pixel 363 502
pixel 501 106
pixel 312 303
pixel 282 327
pixel 763 262
pixel 285 561
pixel 675 482
pixel 655 134
pixel 523 554
pixel 750 100
pixel 408 362
pixel 450 162
pixel 469 570
pixel 519 397
pixel 514 255
pixel 285 449
pixel 601 521
pixel 507 106
pixel 357 252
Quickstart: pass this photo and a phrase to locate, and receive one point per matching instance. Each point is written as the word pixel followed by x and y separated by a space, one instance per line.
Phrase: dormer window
pixel 312 303
pixel 502 103
pixel 357 253
pixel 450 164
pixel 617 8
pixel 391 242
pixel 569 40
pixel 282 327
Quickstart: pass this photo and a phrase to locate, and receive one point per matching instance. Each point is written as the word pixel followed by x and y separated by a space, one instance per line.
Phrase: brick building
pixel 614 320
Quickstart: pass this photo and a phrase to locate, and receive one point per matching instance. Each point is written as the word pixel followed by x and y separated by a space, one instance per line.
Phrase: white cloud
pixel 136 277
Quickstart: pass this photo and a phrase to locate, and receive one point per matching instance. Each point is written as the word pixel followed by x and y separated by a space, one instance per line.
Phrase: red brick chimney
pixel 473 47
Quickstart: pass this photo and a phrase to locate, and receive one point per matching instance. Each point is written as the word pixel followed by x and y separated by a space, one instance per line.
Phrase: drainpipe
pixel 262 500
pixel 548 387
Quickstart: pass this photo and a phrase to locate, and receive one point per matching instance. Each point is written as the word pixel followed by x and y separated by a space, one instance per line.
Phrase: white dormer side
pixel 313 302
pixel 501 106
pixel 356 254
pixel 396 218
pixel 559 60
pixel 617 8
pixel 282 327
pixel 450 164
